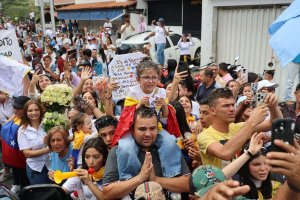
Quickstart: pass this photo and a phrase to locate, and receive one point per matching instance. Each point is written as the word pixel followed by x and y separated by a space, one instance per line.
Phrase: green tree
pixel 18 8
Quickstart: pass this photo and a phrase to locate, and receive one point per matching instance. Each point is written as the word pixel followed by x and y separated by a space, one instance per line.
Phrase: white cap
pixel 266 84
pixel 238 68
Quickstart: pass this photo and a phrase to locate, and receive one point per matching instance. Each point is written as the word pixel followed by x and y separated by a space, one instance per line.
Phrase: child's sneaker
pixel 5 175
pixel 15 189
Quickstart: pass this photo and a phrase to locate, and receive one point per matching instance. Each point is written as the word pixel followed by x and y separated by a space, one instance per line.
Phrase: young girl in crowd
pixel 191 119
pixel 31 142
pixel 82 131
pixel 246 94
pixel 256 173
pixel 89 186
pixel 59 143
pixel 39 82
pixel 146 94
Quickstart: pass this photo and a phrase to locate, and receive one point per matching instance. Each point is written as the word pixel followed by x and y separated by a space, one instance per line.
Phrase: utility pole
pixel 41 2
pixel 52 16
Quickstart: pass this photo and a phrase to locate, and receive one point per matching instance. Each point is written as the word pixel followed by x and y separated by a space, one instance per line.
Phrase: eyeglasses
pixel 148 78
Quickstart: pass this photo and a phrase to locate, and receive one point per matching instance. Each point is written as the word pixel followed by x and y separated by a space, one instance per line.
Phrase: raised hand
pixel 181 76
pixel 86 73
pixel 258 115
pixel 286 163
pixel 256 143
pixel 226 191
pixel 36 77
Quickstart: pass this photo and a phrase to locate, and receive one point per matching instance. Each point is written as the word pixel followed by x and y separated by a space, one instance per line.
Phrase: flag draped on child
pixel 11 155
pixel 127 117
pixel 77 143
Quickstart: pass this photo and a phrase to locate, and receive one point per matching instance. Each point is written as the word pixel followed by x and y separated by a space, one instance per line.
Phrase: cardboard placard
pixel 122 70
pixel 9 45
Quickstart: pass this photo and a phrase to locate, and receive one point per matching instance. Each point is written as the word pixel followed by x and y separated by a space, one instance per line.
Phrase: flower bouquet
pixel 56 99
pixel 52 119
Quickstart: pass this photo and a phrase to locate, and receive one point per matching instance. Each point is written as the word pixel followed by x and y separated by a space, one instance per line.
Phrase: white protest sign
pixel 11 76
pixel 9 45
pixel 122 70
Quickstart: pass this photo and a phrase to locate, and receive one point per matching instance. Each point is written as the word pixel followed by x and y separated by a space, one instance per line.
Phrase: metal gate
pixel 243 32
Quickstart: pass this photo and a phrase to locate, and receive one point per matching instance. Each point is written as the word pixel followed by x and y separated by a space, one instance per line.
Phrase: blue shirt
pixel 57 163
pixel 203 92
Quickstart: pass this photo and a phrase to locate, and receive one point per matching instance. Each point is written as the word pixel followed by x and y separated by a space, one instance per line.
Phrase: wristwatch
pixel 250 154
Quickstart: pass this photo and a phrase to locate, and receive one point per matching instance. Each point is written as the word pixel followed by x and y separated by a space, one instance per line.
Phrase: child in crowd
pixel 82 130
pixel 146 93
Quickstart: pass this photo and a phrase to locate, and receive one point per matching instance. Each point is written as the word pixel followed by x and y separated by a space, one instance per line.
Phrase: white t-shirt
pixel 108 26
pixel 66 41
pixel 92 46
pixel 160 36
pixel 84 192
pixel 196 109
pixel 59 41
pixel 127 32
pixel 109 52
pixel 137 93
pixel 6 110
pixel 185 47
pixel 30 138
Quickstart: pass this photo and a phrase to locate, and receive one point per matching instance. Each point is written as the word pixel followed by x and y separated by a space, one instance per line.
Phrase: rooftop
pixel 91 6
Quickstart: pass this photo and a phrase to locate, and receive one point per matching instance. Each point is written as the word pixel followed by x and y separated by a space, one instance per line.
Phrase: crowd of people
pixel 168 139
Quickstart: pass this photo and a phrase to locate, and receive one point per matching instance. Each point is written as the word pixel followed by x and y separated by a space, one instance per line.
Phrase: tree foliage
pixel 18 8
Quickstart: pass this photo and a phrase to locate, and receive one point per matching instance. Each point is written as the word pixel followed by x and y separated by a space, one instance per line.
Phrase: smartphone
pixel 260 97
pixel 282 129
pixel 254 87
pixel 39 68
pixel 182 66
pixel 98 68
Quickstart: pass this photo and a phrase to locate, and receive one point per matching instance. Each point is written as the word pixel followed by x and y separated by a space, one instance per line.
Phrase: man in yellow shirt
pixel 223 139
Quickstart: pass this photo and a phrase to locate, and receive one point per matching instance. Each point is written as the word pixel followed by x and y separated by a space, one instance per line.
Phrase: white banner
pixel 122 70
pixel 9 45
pixel 11 76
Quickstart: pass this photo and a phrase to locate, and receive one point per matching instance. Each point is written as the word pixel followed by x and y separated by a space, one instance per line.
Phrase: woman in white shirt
pixel 110 50
pixel 184 45
pixel 31 142
pixel 88 182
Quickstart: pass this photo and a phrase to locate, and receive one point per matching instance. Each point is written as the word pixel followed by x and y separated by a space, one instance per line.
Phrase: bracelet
pixel 250 154
pixel 292 187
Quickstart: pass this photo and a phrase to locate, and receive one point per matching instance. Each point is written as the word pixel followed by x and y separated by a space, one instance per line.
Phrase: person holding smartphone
pixel 184 45
pixel 160 33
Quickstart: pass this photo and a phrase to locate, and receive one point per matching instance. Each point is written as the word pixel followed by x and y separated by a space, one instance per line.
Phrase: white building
pixel 233 28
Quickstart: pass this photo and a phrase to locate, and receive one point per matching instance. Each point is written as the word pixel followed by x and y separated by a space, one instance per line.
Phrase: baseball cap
pixel 149 190
pixel 266 84
pixel 204 177
pixel 20 101
pixel 161 19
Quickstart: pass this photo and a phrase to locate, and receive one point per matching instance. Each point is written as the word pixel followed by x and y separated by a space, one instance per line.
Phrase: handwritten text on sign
pixel 9 45
pixel 122 70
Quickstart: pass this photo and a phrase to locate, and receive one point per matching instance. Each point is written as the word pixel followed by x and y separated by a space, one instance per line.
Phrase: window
pixel 175 38
pixel 167 44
